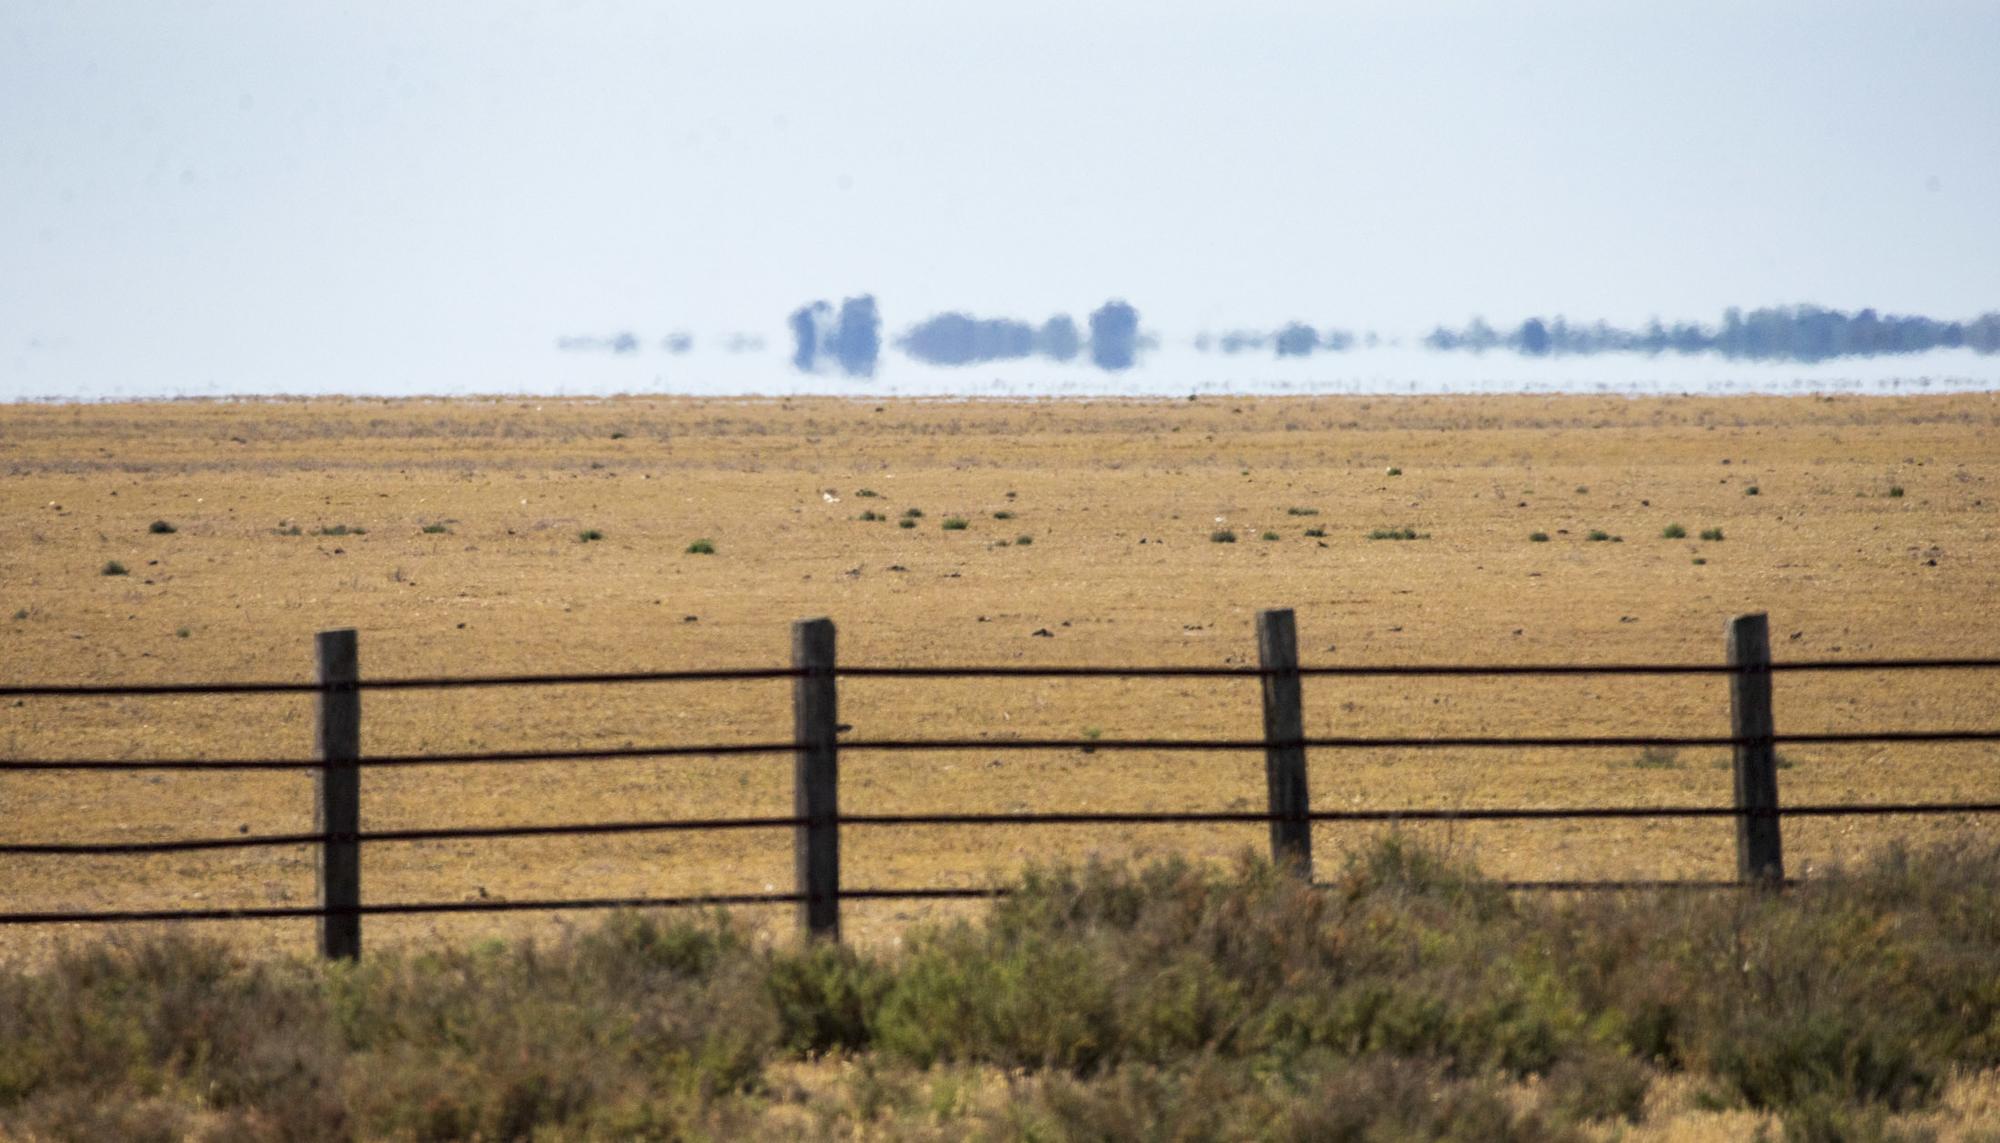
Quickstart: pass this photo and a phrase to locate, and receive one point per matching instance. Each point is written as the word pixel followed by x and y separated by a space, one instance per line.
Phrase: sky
pixel 245 197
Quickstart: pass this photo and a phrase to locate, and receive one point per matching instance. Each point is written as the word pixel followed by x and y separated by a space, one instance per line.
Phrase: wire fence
pixel 816 824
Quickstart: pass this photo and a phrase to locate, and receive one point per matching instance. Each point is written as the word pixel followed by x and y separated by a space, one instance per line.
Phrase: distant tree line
pixel 1779 333
pixel 852 338
pixel 1295 339
pixel 962 339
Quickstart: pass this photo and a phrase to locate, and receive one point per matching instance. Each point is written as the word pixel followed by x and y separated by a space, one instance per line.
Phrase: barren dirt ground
pixel 1120 500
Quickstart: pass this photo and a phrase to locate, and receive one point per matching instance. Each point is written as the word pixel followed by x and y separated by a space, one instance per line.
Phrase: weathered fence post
pixel 337 812
pixel 1284 734
pixel 1759 844
pixel 816 779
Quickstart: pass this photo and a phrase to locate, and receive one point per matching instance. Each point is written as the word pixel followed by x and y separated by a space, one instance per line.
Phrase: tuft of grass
pixel 866 493
pixel 1658 758
pixel 1895 491
pixel 871 515
pixel 1315 533
pixel 1397 534
pixel 182 632
pixel 1301 511
pixel 340 530
pixel 1268 536
pixel 161 528
pixel 1673 532
pixel 1538 537
pixel 1222 536
pixel 1003 514
pixel 1394 471
pixel 1751 490
pixel 1023 541
pixel 701 548
pixel 113 567
pixel 1598 536
pixel 1711 533
pixel 436 530
pixel 589 536
pixel 956 523
pixel 906 522
pixel 913 513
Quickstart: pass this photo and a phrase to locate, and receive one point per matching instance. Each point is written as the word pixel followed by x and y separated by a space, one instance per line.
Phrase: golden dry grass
pixel 1119 497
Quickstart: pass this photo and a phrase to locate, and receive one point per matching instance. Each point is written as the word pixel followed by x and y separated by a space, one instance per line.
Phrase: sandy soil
pixel 1120 499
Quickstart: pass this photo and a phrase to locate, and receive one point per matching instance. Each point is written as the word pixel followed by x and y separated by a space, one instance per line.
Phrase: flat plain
pixel 452 535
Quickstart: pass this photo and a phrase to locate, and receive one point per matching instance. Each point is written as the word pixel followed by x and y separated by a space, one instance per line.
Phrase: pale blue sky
pixel 259 197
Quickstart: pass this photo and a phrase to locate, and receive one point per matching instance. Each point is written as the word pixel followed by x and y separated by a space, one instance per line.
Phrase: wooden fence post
pixel 337 811
pixel 1760 853
pixel 816 779
pixel 1284 734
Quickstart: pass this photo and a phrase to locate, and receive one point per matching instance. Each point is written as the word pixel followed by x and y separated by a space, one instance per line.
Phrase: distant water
pixel 1171 371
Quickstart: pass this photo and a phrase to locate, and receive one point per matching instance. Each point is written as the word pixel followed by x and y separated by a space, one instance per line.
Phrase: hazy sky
pixel 245 194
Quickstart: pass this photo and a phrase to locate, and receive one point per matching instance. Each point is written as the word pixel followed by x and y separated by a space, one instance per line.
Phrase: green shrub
pixel 871 515
pixel 1397 534
pixel 701 548
pixel 340 530
pixel 1598 536
pixel 1699 561
pixel 1538 537
pixel 1750 491
pixel 1222 536
pixel 913 513
pixel 956 523
pixel 906 522
pixel 1003 514
pixel 1394 471
pixel 1301 511
pixel 1023 541
pixel 436 530
pixel 1315 533
pixel 113 567
pixel 1711 533
pixel 589 536
pixel 161 528
pixel 1673 532
pixel 866 493
pixel 1268 536
pixel 182 632
pixel 289 530
pixel 1896 491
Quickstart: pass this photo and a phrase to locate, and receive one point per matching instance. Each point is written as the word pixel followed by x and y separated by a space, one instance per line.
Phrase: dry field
pixel 1119 498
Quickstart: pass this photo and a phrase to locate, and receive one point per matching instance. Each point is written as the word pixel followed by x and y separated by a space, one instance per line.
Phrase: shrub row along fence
pixel 816 820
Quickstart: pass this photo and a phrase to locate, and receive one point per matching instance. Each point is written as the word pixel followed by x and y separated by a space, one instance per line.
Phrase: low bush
pixel 956 523
pixel 1673 532
pixel 701 548
pixel 161 528
pixel 1404 996
pixel 113 567
pixel 1397 534
pixel 1711 533
pixel 1222 536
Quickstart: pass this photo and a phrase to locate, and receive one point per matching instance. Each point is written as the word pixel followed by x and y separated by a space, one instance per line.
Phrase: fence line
pixel 816 744
pixel 741 674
